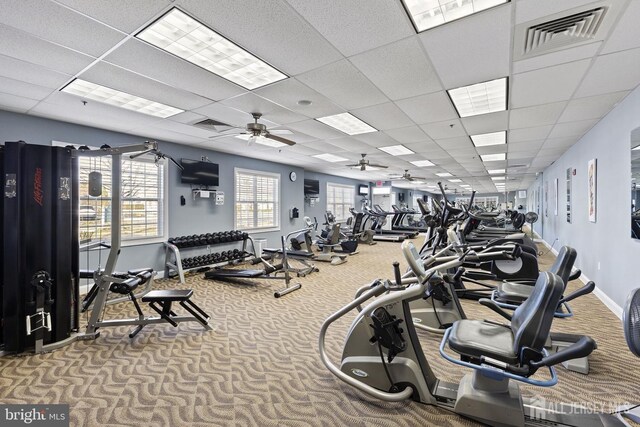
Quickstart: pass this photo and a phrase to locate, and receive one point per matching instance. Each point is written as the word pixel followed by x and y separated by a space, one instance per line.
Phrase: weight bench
pixel 159 300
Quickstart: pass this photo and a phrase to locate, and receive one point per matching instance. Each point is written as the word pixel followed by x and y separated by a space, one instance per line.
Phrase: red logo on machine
pixel 38 195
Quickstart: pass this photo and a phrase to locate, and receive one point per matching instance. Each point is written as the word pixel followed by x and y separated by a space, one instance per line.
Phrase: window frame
pixel 278 202
pixel 164 211
pixel 352 188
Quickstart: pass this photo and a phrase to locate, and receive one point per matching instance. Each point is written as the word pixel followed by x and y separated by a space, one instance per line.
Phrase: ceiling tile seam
pixel 87 16
pixel 109 51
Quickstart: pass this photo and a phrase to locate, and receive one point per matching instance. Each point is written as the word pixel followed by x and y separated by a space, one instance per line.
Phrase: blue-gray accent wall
pixel 606 252
pixel 197 216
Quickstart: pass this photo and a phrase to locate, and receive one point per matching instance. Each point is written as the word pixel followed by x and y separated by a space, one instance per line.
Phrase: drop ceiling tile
pixel 376 139
pixel 304 150
pixel 325 147
pixel 22 89
pixel 316 129
pixel 118 78
pixel 423 109
pixel 471 50
pixel 491 149
pixel 26 47
pixel 540 115
pixel 269 29
pixel 299 137
pixel 486 123
pixel 528 134
pixel 250 102
pixel 564 142
pixel 547 85
pixel 514 147
pixel 556 58
pixel 408 134
pixel 400 69
pixel 455 143
pixel 183 129
pixel 423 147
pixel 443 130
pixel 353 146
pixel 30 73
pixel 60 25
pixel 612 73
pixel 124 15
pixel 343 84
pixel 383 116
pixel 571 128
pixel 592 107
pixel 15 103
pixel 144 59
pixel 69 108
pixel 288 92
pixel 626 34
pixel 188 117
pixel 356 26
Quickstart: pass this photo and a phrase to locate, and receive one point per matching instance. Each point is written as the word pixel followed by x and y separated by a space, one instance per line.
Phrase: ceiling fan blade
pixel 377 166
pixel 279 139
pixel 417 178
pixel 280 132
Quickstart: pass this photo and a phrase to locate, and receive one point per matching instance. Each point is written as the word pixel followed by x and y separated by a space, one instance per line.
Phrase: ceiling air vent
pixel 213 125
pixel 565 30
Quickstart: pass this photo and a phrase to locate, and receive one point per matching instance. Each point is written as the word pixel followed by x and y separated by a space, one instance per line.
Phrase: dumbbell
pixel 224 237
pixel 245 236
pixel 215 237
pixel 209 237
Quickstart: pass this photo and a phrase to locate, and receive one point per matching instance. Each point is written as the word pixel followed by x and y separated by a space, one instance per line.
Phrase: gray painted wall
pixel 606 252
pixel 197 216
pixel 319 209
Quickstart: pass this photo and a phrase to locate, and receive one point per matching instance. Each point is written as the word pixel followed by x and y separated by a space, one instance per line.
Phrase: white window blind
pixel 339 199
pixel 257 197
pixel 143 199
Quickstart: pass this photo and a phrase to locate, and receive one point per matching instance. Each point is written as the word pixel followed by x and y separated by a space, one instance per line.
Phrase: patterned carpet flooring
pixel 260 364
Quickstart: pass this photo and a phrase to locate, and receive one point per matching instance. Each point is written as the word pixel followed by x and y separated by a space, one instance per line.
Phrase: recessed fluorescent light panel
pixel 421 163
pixel 179 34
pixel 330 158
pixel 455 180
pixel 427 14
pixel 486 139
pixel 396 150
pixel 480 98
pixel 496 171
pixel 262 141
pixel 444 174
pixel 347 123
pixel 498 178
pixel 120 99
pixel 493 157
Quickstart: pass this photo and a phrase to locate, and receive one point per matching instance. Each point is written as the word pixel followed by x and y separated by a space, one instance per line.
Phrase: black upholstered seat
pixel 530 326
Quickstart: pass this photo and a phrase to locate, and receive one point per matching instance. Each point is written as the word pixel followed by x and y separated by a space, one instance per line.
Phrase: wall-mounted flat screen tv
pixel 199 173
pixel 363 190
pixel 311 187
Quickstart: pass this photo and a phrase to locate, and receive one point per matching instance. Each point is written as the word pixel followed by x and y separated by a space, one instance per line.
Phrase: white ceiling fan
pixel 408 177
pixel 364 164
pixel 258 133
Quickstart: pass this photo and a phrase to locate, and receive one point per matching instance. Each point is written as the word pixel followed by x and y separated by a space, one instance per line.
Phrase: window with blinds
pixel 257 198
pixel 339 199
pixel 143 200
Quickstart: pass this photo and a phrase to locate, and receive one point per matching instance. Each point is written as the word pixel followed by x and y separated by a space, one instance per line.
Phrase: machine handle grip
pixel 396 272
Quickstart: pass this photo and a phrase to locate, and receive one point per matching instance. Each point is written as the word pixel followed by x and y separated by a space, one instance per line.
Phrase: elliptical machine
pixel 382 356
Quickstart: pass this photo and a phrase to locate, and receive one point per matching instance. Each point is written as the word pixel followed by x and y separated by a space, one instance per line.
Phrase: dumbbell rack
pixel 174 261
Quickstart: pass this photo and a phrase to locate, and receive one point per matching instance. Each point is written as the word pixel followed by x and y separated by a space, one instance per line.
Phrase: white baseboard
pixel 599 293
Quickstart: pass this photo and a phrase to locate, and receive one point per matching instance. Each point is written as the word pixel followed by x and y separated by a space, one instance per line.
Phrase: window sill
pixel 261 230
pixel 142 242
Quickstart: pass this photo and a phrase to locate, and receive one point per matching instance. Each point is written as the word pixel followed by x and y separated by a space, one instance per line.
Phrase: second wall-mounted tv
pixel 311 187
pixel 363 190
pixel 200 173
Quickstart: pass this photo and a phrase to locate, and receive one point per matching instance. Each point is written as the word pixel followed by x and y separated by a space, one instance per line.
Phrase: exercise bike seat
pixel 477 338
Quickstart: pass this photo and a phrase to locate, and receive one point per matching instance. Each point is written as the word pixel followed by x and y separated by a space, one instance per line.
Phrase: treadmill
pixel 380 216
pixel 398 224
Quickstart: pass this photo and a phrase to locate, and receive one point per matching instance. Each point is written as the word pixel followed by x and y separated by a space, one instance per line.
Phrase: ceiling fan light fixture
pixel 183 36
pixel 96 92
pixel 347 123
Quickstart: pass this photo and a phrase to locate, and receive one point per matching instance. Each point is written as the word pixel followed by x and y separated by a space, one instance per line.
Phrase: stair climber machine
pixel 383 357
